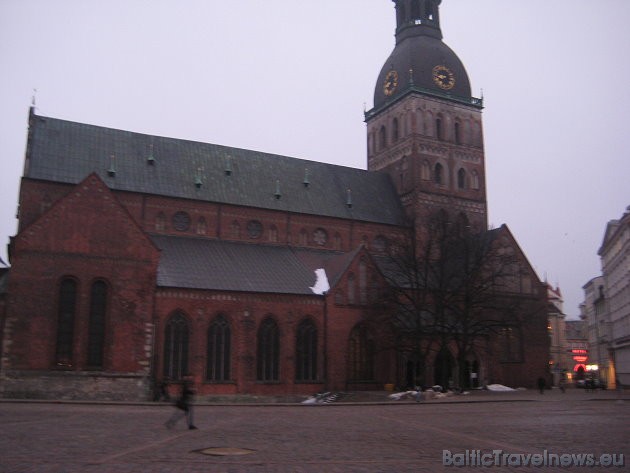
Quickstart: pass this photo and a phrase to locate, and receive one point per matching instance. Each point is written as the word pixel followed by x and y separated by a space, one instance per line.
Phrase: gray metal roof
pixel 198 263
pixel 64 151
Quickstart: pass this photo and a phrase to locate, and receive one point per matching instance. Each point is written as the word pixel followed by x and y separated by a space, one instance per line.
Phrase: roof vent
pixel 198 180
pixel 277 194
pixel 111 172
pixel 307 181
pixel 228 165
pixel 349 198
pixel 151 158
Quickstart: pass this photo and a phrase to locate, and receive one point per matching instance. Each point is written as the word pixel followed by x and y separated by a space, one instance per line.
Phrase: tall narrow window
pixel 235 229
pixel 306 352
pixel 461 178
pixel 362 282
pixel 219 350
pixel 361 355
pixel 510 345
pixel 475 180
pixel 395 130
pixel 65 321
pixel 458 134
pixel 160 222
pixel 382 138
pixel 268 359
pixel 438 175
pixel 202 226
pixel 176 339
pixel 96 330
pixel 351 289
pixel 438 129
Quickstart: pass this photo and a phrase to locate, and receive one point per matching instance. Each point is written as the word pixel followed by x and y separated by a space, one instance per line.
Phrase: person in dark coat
pixel 184 407
pixel 541 385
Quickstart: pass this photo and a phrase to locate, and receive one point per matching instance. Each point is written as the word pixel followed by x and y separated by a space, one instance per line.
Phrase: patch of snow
pixel 499 387
pixel 321 283
pixel 403 395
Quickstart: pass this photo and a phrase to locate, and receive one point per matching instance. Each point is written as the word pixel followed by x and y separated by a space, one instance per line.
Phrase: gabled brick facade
pixel 140 260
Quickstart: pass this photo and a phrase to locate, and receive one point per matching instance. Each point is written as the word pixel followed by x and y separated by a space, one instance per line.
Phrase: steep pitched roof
pixel 64 151
pixel 197 263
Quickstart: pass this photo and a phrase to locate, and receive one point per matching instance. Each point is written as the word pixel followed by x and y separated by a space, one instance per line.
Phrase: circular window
pixel 254 229
pixel 181 221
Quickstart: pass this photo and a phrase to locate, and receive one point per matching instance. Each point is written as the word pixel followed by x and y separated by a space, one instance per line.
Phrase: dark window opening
pixel 306 352
pixel 438 129
pixel 219 350
pixel 176 340
pixel 438 174
pixel 268 352
pixel 361 355
pixel 96 331
pixel 65 322
pixel 461 179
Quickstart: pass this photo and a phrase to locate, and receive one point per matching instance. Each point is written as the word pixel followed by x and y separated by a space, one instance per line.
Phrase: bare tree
pixel 447 287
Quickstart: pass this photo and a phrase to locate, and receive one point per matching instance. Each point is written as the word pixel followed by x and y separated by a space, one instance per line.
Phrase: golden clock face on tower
pixel 443 77
pixel 391 82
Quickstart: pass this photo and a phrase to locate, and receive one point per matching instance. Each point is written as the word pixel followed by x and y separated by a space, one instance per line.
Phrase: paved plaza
pixel 343 437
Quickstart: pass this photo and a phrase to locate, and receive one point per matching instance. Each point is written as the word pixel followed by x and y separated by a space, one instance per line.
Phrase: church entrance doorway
pixel 444 367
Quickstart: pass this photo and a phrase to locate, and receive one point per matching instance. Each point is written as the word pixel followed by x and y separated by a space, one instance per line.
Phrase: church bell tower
pixel 425 129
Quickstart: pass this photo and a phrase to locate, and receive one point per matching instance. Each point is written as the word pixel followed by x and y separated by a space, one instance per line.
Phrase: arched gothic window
pixel 202 226
pixel 510 345
pixel 363 282
pixel 273 234
pixel 306 352
pixel 337 241
pixel 235 229
pixel 351 289
pixel 382 138
pixel 303 237
pixel 395 130
pixel 176 340
pixel 219 350
pixel 268 359
pixel 438 175
pixel 475 180
pixel 458 133
pixel 96 328
pixel 160 222
pixel 439 132
pixel 65 321
pixel 360 355
pixel 425 171
pixel 461 179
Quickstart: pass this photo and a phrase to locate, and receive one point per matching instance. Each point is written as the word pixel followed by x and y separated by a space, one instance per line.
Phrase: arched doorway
pixel 471 373
pixel 414 371
pixel 443 368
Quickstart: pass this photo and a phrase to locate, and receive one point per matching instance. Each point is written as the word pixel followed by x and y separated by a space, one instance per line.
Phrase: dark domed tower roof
pixel 420 59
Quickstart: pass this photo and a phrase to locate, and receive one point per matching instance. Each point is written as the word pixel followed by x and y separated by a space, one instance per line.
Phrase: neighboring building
pixel 559 361
pixel 598 327
pixel 141 259
pixel 615 257
pixel 577 348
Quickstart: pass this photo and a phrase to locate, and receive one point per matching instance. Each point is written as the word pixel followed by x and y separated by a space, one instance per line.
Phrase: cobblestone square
pixel 345 437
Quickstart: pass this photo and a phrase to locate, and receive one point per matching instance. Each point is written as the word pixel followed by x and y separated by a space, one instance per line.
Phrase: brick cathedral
pixel 141 259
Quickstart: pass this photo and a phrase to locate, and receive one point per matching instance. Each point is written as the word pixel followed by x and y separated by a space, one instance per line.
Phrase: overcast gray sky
pixel 292 76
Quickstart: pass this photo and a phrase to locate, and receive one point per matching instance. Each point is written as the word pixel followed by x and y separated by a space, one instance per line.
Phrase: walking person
pixel 184 406
pixel 541 385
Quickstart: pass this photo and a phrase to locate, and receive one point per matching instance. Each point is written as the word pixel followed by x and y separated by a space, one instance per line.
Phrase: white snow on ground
pixel 321 284
pixel 499 387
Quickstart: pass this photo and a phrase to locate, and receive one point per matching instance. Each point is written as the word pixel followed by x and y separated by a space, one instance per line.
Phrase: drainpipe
pixel 325 296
